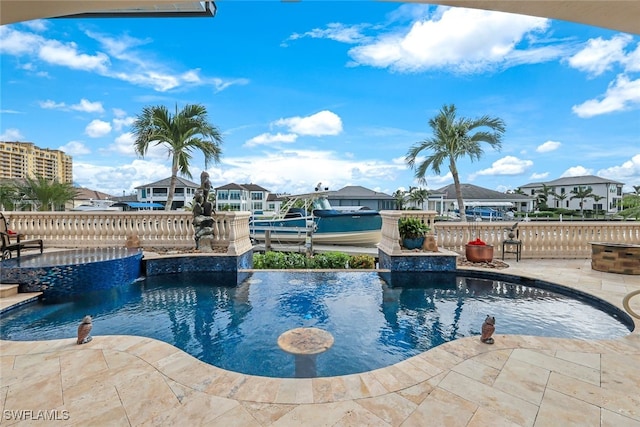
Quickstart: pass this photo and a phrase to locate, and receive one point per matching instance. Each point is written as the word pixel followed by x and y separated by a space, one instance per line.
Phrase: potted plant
pixel 478 251
pixel 412 232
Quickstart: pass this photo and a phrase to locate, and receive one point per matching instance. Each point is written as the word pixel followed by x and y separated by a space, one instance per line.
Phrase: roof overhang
pixel 24 10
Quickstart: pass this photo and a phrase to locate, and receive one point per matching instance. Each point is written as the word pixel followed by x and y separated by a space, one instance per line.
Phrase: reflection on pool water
pixel 374 325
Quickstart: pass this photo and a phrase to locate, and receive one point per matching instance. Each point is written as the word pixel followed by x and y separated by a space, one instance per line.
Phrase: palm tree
pixel 8 195
pixel 596 199
pixel 560 197
pixel 452 139
pixel 400 197
pixel 581 193
pixel 542 196
pixel 181 133
pixel 418 196
pixel 48 194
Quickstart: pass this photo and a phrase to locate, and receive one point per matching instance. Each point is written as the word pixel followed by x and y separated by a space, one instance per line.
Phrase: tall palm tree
pixel 452 139
pixel 581 193
pixel 181 133
pixel 596 198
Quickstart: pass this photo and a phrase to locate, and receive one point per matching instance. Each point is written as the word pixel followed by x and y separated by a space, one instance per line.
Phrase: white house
pixel 608 192
pixel 244 197
pixel 157 192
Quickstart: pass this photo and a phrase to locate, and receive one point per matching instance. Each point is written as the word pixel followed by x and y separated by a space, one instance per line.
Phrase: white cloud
pixel 75 148
pixel 120 122
pixel 336 31
pixel 600 55
pixel 124 144
pixel 88 107
pixel 11 134
pixel 122 62
pixel 622 94
pixel 319 124
pixel 541 175
pixel 50 104
pixel 463 40
pixel 508 165
pixel 628 172
pixel 97 128
pixel 548 146
pixel 36 24
pixel 116 179
pixel 270 138
pixel 577 171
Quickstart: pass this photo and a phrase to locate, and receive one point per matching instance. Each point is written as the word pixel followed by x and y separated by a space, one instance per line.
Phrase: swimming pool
pixel 374 325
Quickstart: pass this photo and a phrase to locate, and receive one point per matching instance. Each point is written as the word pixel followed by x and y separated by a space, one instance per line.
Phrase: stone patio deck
pixel 518 381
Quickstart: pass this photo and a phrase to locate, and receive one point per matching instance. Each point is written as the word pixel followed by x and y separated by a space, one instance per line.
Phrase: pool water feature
pixel 373 324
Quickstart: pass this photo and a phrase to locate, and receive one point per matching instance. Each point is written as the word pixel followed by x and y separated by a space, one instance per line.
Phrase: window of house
pixel 179 190
pixel 234 195
pixel 159 191
pixel 561 190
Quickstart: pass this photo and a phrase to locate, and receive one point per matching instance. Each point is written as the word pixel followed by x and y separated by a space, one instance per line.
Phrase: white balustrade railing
pixel 155 229
pixel 174 230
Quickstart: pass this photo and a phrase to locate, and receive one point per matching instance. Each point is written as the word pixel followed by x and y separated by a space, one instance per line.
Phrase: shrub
pixel 411 227
pixel 362 262
pixel 336 260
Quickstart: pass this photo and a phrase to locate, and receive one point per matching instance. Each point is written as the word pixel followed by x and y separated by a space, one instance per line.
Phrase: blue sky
pixel 335 92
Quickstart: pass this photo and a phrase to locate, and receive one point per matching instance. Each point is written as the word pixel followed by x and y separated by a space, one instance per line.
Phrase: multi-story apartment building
pixel 608 193
pixel 20 160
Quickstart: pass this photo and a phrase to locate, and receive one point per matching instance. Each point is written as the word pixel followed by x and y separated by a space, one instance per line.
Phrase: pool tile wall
pixel 60 281
pixel 418 261
pixel 199 264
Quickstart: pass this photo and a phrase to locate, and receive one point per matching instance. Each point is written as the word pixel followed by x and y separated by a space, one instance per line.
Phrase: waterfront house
pixel 156 192
pixel 607 191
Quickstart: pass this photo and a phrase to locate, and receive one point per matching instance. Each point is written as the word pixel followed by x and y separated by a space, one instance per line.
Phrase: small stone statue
pixel 488 327
pixel 84 329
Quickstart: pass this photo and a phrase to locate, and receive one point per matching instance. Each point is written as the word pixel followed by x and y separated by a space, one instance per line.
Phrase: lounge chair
pixel 8 247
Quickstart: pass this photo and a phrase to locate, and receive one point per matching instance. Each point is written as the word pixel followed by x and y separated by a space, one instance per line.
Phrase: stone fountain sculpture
pixel 202 219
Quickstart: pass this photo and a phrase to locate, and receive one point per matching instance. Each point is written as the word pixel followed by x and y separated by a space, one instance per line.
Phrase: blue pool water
pixel 374 325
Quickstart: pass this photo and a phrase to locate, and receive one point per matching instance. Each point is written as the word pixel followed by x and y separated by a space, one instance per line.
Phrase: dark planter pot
pixel 479 253
pixel 415 243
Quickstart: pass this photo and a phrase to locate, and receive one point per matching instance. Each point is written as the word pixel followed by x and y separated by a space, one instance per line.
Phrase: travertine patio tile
pixel 295 391
pixel 75 366
pixel 196 408
pixel 392 378
pixel 424 365
pixel 3 396
pixel 621 371
pixel 523 380
pixel 338 389
pixel 321 388
pixel 267 413
pixel 440 358
pixel 417 393
pixel 495 359
pixel 620 401
pixel 146 396
pixel 226 384
pixel 359 419
pixel 151 350
pixel 258 389
pixel 611 419
pixel 372 384
pixel 236 417
pixel 544 361
pixel 591 360
pixel 98 405
pixel 558 409
pixel 511 407
pixel 483 418
pixel 355 387
pixel 413 370
pixel 477 371
pixel 392 408
pixel 326 414
pixel 441 408
pixel 41 393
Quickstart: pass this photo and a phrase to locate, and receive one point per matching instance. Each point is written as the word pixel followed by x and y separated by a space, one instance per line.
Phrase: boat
pixel 97 205
pixel 311 215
